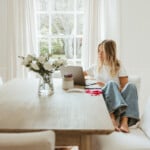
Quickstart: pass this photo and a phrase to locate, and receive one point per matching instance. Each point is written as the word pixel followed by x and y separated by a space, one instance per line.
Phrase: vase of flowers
pixel 44 66
pixel 46 85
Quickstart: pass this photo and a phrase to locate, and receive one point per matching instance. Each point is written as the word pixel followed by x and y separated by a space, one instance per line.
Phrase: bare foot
pixel 114 122
pixel 124 125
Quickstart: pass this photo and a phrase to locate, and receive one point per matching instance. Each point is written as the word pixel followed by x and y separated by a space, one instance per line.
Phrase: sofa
pixel 137 139
pixel 39 140
pixel 1 82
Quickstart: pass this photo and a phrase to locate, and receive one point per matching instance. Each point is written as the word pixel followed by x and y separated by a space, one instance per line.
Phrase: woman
pixel 120 96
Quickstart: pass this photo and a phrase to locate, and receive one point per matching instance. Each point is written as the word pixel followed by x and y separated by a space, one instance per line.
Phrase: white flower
pixel 42 59
pixel 27 60
pixel 48 66
pixel 58 63
pixel 62 61
pixel 34 66
pixel 42 64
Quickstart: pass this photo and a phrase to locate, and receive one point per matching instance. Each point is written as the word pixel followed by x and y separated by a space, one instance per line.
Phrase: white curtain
pixel 111 21
pixel 20 35
pixel 3 40
pixel 92 30
pixel 102 22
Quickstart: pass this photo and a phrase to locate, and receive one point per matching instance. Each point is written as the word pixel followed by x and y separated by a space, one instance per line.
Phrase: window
pixel 59 25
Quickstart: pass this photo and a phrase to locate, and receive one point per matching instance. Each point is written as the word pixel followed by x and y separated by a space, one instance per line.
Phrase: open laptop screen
pixel 78 77
pixel 77 73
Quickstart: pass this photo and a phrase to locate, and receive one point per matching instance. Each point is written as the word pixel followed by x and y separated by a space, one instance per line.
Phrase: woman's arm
pixel 85 73
pixel 102 84
pixel 123 81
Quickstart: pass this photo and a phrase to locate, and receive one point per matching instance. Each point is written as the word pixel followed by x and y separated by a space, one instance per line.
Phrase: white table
pixel 73 116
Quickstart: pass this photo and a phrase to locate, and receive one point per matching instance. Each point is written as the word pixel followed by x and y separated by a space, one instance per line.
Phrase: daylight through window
pixel 59 25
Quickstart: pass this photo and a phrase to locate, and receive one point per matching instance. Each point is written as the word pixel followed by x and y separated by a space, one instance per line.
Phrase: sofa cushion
pixel 135 80
pixel 145 120
pixel 44 140
pixel 135 140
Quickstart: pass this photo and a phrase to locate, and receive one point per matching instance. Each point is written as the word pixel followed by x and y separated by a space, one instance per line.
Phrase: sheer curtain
pixel 20 35
pixel 92 31
pixel 3 40
pixel 102 21
pixel 111 21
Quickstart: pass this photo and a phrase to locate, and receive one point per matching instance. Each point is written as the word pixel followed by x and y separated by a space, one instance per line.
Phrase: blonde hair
pixel 111 58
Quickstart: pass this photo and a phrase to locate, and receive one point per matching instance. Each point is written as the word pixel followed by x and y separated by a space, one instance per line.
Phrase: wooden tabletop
pixel 21 109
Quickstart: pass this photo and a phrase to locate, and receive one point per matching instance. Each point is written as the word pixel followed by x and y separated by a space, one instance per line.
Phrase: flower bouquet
pixel 44 66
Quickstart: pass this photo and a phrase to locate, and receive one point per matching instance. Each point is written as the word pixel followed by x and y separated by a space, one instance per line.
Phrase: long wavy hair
pixel 111 58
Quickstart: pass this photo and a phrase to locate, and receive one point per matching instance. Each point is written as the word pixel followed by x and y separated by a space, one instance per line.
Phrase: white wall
pixel 135 40
pixel 3 40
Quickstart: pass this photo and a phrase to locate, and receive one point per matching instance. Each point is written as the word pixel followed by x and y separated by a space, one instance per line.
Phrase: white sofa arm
pixel 1 82
pixel 135 140
pixel 145 120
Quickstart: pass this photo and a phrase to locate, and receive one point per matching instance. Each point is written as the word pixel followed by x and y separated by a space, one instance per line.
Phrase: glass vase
pixel 46 85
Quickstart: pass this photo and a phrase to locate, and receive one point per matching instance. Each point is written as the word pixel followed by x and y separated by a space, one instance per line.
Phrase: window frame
pixel 50 36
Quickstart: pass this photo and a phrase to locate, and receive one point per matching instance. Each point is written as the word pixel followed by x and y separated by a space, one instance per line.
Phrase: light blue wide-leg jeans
pixel 124 103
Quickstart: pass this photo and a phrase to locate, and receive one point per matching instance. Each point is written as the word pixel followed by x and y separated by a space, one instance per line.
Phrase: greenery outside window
pixel 59 26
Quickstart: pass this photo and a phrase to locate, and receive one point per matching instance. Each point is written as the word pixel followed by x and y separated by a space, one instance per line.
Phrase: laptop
pixel 77 73
pixel 78 76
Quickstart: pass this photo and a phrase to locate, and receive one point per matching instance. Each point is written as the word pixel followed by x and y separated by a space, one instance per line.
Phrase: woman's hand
pixel 123 82
pixel 101 84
